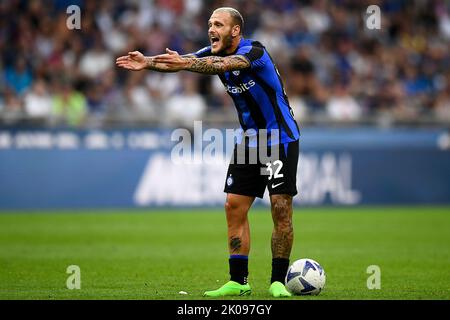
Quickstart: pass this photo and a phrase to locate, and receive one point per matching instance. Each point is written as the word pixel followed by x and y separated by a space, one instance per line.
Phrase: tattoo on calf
pixel 282 243
pixel 283 233
pixel 235 244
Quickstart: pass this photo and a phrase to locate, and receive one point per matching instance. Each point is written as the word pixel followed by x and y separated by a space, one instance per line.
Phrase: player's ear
pixel 235 31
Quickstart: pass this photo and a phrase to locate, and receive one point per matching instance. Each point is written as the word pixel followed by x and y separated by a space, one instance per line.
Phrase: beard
pixel 226 44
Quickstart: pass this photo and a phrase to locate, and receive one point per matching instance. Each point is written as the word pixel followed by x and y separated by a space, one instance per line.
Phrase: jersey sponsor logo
pixel 241 88
pixel 236 72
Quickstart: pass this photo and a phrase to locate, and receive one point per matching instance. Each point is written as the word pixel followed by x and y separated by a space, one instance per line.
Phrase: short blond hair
pixel 235 16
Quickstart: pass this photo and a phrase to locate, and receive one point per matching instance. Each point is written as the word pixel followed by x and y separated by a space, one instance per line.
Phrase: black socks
pixel 238 268
pixel 280 267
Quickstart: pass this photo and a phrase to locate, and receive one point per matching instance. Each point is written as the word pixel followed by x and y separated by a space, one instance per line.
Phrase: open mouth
pixel 214 40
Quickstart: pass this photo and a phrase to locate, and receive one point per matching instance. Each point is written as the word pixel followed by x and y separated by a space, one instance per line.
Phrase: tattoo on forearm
pixel 215 65
pixel 235 244
pixel 152 65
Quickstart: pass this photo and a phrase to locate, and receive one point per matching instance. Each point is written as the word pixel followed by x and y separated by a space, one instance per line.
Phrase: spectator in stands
pixel 398 72
pixel 12 107
pixel 186 106
pixel 38 101
pixel 96 62
pixel 143 105
pixel 305 88
pixel 18 78
pixel 342 106
pixel 69 105
pixel 442 106
pixel 270 34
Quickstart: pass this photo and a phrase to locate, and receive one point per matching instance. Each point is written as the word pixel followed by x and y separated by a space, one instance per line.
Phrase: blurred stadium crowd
pixel 334 68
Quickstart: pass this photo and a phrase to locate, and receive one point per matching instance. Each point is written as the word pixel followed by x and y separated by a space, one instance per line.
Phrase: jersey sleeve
pixel 254 54
pixel 206 51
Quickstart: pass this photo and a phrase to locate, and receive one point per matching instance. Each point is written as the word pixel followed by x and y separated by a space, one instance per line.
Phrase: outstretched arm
pixel 173 62
pixel 136 61
pixel 207 65
pixel 215 65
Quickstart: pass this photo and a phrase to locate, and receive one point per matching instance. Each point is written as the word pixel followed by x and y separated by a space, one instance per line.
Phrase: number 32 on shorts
pixel 274 169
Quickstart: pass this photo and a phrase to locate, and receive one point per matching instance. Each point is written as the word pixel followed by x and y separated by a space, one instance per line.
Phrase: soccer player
pixel 253 82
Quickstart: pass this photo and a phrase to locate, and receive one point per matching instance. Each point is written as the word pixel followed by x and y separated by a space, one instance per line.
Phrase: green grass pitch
pixel 157 254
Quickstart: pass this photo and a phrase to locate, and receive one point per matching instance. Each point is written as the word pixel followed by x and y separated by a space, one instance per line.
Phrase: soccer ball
pixel 305 277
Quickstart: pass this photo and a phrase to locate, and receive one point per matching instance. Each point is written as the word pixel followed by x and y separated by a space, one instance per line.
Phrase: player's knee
pixel 235 204
pixel 236 212
pixel 231 205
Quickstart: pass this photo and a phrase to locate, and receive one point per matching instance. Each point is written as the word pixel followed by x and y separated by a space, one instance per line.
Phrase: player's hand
pixel 133 61
pixel 171 59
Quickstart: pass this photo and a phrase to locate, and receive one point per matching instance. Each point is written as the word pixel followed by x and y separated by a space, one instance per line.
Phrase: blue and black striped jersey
pixel 258 93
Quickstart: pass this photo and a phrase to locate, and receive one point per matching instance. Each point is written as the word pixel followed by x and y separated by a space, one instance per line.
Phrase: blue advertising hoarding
pixel 136 168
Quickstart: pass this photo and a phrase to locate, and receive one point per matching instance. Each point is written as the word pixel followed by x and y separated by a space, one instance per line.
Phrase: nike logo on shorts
pixel 276 185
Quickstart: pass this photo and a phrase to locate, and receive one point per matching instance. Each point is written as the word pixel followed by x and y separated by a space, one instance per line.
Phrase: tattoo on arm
pixel 215 65
pixel 235 244
pixel 152 65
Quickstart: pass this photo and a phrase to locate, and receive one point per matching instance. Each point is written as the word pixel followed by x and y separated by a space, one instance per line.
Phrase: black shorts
pixel 250 177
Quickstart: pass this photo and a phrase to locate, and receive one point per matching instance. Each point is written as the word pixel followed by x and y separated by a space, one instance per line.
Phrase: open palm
pixel 133 61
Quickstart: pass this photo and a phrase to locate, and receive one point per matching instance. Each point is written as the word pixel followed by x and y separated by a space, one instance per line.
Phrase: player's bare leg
pixel 283 230
pixel 282 239
pixel 236 209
